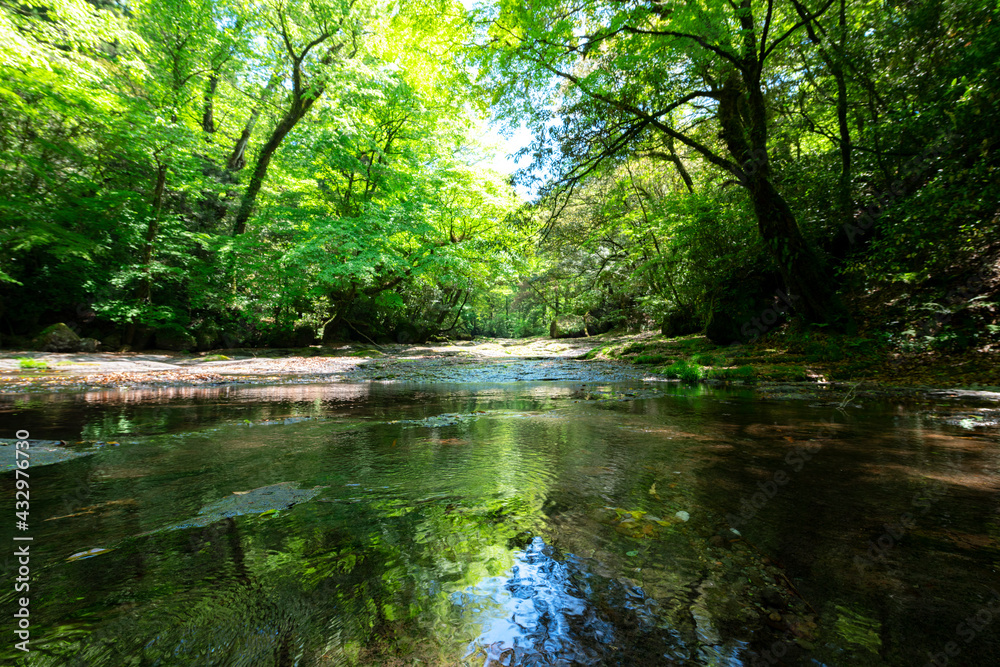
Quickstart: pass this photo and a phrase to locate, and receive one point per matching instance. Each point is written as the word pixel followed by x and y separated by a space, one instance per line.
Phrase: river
pixel 553 518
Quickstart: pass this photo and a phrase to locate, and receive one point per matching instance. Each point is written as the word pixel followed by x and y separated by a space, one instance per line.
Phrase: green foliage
pixel 823 351
pixel 642 204
pixel 122 168
pixel 257 174
pixel 684 370
pixel 652 358
pixel 26 363
pixel 705 359
pixel 742 373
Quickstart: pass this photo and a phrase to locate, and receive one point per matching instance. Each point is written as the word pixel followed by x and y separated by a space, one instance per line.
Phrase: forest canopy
pixel 193 174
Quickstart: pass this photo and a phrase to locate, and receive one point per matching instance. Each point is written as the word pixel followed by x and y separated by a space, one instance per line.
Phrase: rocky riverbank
pixel 774 372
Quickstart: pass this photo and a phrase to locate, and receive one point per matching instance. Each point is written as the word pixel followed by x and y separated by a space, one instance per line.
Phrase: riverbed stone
pixel 89 344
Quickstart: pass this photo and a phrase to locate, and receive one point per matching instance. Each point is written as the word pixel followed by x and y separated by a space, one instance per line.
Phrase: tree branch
pixel 699 40
pixel 795 27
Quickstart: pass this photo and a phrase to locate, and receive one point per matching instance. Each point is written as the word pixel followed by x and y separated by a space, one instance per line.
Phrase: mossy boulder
pixel 175 339
pixel 57 338
pixel 89 344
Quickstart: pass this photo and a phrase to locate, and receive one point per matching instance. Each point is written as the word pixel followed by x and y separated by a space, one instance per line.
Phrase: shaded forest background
pixel 199 174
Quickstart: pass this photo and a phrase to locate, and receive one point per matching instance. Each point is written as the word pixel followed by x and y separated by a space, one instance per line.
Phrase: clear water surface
pixel 527 523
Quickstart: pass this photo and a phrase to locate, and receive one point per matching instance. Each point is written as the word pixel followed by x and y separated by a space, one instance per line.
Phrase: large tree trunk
pixel 808 285
pixel 281 130
pixel 676 159
pixel 237 159
pixel 217 206
pixel 742 117
pixel 845 129
pixel 844 185
pixel 300 106
pixel 303 97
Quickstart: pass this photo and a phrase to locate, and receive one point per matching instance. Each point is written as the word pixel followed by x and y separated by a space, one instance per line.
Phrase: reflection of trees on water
pixel 138 412
pixel 359 579
pixel 421 548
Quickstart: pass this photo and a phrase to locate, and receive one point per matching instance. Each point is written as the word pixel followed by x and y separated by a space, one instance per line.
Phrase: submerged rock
pixel 439 421
pixel 271 498
pixel 280 496
pixel 44 452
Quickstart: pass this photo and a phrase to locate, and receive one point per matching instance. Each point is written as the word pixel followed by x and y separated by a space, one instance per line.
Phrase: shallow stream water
pixel 515 523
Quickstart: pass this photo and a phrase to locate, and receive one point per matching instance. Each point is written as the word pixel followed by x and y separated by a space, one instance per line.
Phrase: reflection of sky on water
pixel 539 612
pixel 552 612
